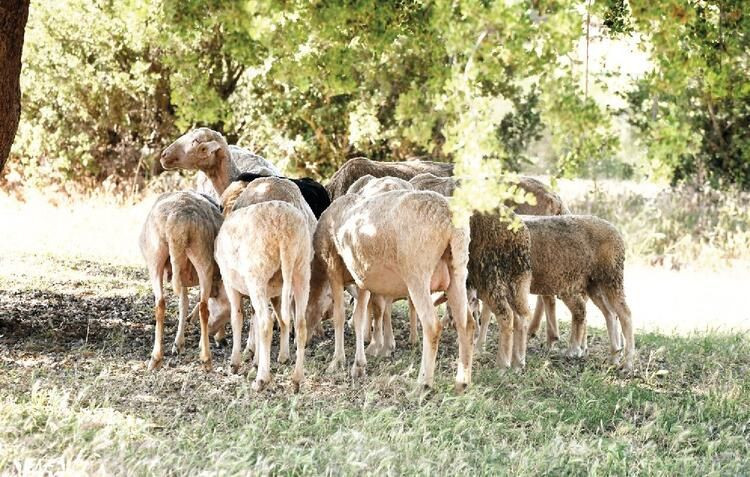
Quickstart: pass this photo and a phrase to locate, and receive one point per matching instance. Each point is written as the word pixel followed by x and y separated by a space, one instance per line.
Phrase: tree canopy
pixel 309 84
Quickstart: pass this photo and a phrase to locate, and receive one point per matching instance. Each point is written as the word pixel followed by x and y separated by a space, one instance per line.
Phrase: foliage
pixel 310 84
pixel 677 226
pixel 693 109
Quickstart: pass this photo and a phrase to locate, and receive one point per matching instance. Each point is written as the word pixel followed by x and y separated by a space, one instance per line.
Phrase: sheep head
pixel 200 149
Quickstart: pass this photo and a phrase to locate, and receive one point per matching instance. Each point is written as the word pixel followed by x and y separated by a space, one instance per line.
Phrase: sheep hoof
pixel 207 366
pixel 154 364
pixel 221 342
pixel 372 350
pixel 283 358
pixel 234 368
pixel 518 367
pixel 295 387
pixel 461 387
pixel 626 368
pixel 336 365
pixel 259 384
pixel 385 352
pixel 177 348
pixel 358 371
pixel 574 352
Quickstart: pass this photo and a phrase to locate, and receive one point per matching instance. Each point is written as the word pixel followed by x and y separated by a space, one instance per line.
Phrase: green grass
pixel 75 397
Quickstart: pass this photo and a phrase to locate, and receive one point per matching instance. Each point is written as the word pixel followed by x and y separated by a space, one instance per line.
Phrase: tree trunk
pixel 13 16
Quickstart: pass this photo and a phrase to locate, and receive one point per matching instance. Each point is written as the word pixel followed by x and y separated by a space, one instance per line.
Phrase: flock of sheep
pixel 383 231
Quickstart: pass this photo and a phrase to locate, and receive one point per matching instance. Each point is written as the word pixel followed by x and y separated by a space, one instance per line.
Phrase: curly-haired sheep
pixel 393 244
pixel 358 167
pixel 218 163
pixel 177 240
pixel 264 250
pixel 574 256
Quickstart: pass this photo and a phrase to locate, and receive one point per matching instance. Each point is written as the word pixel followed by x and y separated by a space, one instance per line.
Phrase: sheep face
pixel 197 149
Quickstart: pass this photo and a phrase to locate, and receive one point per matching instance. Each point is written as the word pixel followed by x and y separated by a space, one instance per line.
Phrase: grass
pixel 76 398
pixel 76 330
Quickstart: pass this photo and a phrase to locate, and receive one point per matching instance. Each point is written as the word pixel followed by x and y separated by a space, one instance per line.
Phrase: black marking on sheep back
pixel 498 257
pixel 313 192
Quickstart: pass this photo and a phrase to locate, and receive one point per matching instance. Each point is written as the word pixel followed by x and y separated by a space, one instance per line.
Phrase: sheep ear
pixel 212 147
pixel 208 152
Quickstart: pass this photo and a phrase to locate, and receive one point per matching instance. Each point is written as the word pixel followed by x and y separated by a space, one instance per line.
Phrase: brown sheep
pixel 574 256
pixel 358 167
pixel 393 244
pixel 177 239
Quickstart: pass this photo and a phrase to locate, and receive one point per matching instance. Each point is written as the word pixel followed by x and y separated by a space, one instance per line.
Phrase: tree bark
pixel 13 16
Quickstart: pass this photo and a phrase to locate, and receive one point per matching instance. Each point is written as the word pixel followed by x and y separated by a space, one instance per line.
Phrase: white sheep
pixel 218 163
pixel 263 251
pixel 177 240
pixel 393 244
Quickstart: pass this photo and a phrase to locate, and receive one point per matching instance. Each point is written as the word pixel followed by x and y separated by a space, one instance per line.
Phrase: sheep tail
pixel 459 247
pixel 177 243
pixel 288 259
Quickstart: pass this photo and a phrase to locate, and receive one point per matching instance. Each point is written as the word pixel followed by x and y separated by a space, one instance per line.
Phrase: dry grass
pixel 76 326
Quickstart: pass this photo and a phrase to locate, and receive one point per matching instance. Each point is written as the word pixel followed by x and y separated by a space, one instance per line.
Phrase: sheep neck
pixel 221 175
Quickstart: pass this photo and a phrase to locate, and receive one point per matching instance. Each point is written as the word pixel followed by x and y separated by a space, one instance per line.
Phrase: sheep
pixel 265 250
pixel 357 167
pixel 369 185
pixel 177 239
pixel 243 194
pixel 314 193
pixel 575 256
pixel 393 244
pixel 499 269
pixel 217 162
pixel 547 203
pixel 382 343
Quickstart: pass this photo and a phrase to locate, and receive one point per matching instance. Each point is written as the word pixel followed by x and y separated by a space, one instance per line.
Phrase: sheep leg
pixel 218 317
pixel 536 320
pixel 377 305
pixel 179 339
pixel 613 330
pixel 577 306
pixel 236 318
pixel 339 356
pixel 205 279
pixel 360 315
pixel 264 332
pixel 616 298
pixel 159 309
pixel 553 332
pixel 283 330
pixel 464 323
pixel 504 317
pixel 412 322
pixel 301 291
pixel 431 329
pixel 484 324
pixel 521 312
pixel 252 336
pixel 389 342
